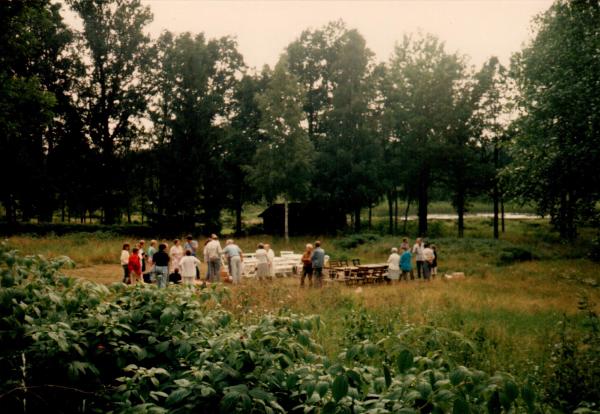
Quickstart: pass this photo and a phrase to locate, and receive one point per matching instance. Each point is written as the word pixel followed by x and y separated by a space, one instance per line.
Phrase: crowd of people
pixel 163 265
pixel 400 265
pixel 180 264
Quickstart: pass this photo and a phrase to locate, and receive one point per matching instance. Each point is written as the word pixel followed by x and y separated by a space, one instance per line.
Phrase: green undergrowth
pixel 70 345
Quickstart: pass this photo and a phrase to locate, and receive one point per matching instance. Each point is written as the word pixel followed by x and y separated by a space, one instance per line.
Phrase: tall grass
pixel 510 309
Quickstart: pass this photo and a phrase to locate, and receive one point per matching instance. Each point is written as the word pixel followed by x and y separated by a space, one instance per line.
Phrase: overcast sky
pixel 477 28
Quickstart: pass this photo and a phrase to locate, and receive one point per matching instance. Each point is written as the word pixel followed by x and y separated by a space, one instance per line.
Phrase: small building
pixel 303 218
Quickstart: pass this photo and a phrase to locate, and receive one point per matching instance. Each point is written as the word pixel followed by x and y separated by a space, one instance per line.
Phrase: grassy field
pixel 514 310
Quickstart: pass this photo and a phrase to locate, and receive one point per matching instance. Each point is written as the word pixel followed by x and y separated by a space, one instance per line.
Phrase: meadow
pixel 526 298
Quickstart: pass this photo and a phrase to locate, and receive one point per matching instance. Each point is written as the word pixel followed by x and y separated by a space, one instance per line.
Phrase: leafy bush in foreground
pixel 74 346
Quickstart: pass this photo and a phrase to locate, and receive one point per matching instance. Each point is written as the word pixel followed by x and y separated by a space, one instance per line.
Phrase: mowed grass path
pixel 515 310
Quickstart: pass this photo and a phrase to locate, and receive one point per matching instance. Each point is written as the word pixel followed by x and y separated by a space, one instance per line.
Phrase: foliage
pixel 354 240
pixel 510 255
pixel 557 139
pixel 72 345
pixel 575 367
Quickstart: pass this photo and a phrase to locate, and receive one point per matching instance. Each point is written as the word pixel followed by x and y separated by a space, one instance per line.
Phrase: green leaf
pixel 329 408
pixel 405 361
pixel 322 388
pixel 261 394
pixel 340 387
pixel 460 406
pixel 178 395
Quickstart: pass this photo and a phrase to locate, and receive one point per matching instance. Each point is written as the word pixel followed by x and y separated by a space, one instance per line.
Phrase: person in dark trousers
pixel 417 251
pixel 318 262
pixel 307 269
pixel 161 265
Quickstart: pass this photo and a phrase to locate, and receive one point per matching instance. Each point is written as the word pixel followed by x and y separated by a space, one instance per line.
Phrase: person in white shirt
pixel 270 256
pixel 417 251
pixel 212 253
pixel 428 257
pixel 262 262
pixel 175 253
pixel 125 262
pixel 394 265
pixel 188 265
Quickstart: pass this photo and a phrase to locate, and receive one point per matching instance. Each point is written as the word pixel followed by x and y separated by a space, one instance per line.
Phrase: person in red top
pixel 135 266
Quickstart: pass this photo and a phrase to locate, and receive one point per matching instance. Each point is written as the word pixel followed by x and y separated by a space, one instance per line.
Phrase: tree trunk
pixel 391 211
pixel 357 219
pixel 285 220
pixel 496 193
pixel 396 212
pixel 423 200
pixel 406 215
pixel 502 212
pixel 460 209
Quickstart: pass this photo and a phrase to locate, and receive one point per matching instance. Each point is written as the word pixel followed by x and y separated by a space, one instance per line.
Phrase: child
pixel 175 277
pixel 406 264
pixel 135 266
pixel 434 263
pixel 125 263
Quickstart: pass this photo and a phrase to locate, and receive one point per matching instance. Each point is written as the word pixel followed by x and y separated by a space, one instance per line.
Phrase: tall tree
pixel 194 82
pixel 111 95
pixel 556 150
pixel 283 162
pixel 34 68
pixel 241 142
pixel 424 78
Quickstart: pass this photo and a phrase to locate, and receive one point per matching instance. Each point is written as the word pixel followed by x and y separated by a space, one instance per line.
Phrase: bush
pixel 74 346
pixel 510 255
pixel 594 252
pixel 354 240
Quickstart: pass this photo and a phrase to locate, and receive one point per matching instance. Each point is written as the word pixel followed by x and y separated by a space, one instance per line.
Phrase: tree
pixel 194 81
pixel 241 142
pixel 423 79
pixel 556 149
pixel 111 95
pixel 283 162
pixel 34 69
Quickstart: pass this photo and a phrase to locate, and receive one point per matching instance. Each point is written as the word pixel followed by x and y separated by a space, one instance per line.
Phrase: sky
pixel 476 28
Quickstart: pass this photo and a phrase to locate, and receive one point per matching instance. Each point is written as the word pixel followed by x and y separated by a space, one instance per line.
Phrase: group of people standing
pixel 400 263
pixel 180 263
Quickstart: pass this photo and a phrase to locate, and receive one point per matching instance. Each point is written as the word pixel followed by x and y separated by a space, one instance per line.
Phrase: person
pixel 406 264
pixel 318 261
pixel 262 262
pixel 235 258
pixel 161 265
pixel 394 264
pixel 175 277
pixel 176 253
pixel 188 265
pixel 125 263
pixel 404 244
pixel 307 269
pixel 417 250
pixel 135 266
pixel 270 256
pixel 142 254
pixel 434 263
pixel 192 245
pixel 149 275
pixel 427 261
pixel 212 253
